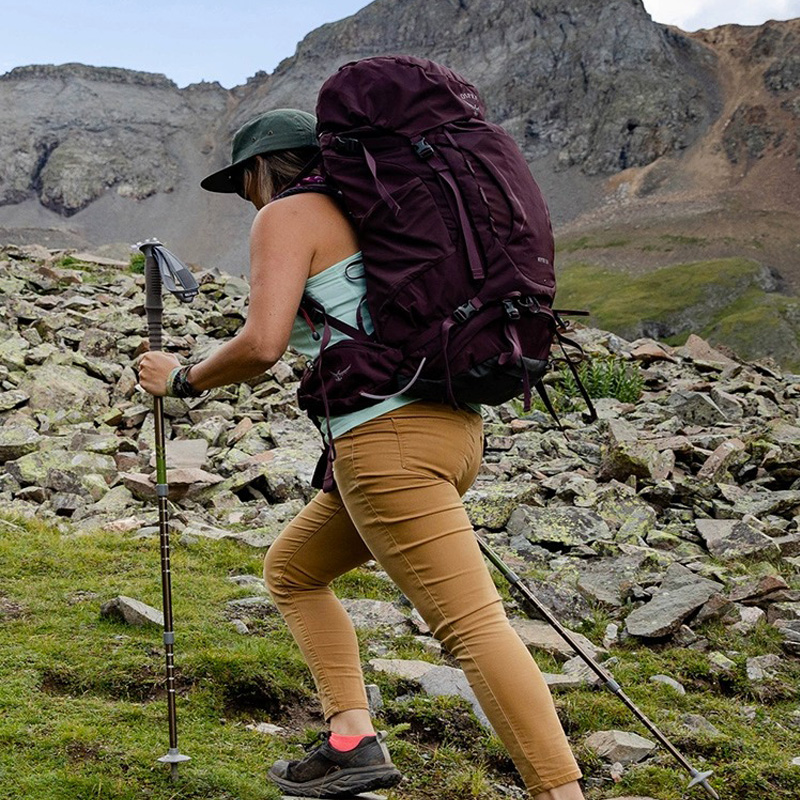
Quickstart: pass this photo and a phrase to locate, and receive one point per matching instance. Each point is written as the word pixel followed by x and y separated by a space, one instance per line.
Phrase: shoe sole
pixel 343 783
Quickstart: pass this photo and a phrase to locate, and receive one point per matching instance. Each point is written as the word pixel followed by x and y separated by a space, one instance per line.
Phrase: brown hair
pixel 269 174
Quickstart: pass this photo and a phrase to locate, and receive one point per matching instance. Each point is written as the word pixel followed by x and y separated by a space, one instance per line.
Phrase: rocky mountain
pixel 626 123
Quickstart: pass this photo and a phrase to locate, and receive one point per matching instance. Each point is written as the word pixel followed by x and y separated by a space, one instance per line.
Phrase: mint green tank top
pixel 340 289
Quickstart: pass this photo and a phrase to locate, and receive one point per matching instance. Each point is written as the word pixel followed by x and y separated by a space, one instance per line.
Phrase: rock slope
pixel 679 508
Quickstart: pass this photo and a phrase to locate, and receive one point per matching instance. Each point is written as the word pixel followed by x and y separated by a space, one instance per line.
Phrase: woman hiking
pixel 401 468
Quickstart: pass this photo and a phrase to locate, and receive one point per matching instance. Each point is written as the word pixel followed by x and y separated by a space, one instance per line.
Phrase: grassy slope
pixel 82 713
pixel 719 299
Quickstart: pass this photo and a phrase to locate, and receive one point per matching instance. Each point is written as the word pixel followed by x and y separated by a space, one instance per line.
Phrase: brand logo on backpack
pixel 472 100
pixel 339 374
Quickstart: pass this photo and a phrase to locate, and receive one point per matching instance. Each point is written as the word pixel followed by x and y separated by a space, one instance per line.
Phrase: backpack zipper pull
pixel 307 318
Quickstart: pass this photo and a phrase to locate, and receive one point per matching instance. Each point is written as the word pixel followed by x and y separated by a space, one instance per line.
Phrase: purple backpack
pixel 456 240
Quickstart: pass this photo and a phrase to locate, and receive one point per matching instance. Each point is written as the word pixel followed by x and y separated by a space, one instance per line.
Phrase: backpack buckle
pixel 464 312
pixel 423 149
pixel 530 302
pixel 512 312
pixel 347 146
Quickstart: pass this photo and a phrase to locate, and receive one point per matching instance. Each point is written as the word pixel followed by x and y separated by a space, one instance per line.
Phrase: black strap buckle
pixel 512 312
pixel 464 312
pixel 423 149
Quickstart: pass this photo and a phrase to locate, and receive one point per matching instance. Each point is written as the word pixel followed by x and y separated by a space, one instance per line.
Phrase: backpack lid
pixel 423 95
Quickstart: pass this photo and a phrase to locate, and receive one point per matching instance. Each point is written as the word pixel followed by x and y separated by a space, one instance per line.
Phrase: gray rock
pixel 251 582
pixel 717 465
pixel 13 398
pixel 776 611
pixel 558 526
pixel 750 617
pixel 17 441
pixel 115 501
pixel 613 745
pixel 695 408
pixel 449 682
pixel 407 669
pixel 258 606
pixel 664 614
pixel 67 390
pixel 721 664
pixel 678 576
pixel 185 454
pixel 491 505
pixel 730 540
pixel 578 669
pixel 374 614
pixel 609 580
pixel 131 611
pixel 700 725
pixel 374 698
pixel 637 526
pixel 761 668
pixel 763 504
pixel 671 682
pixel 539 635
pixel 266 728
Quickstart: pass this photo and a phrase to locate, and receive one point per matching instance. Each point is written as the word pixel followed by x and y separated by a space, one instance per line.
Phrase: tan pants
pixel 400 479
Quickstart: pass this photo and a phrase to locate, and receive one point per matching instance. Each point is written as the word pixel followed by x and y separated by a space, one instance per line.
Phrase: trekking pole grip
pixel 153 304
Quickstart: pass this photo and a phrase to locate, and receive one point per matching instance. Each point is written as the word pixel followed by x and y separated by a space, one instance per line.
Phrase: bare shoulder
pixel 308 210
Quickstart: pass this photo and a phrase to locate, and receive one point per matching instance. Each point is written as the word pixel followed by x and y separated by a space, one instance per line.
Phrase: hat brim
pixel 224 180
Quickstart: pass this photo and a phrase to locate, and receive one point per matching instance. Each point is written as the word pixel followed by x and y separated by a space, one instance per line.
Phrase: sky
pixel 196 40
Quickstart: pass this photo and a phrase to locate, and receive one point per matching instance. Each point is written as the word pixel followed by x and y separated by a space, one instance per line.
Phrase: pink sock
pixel 345 743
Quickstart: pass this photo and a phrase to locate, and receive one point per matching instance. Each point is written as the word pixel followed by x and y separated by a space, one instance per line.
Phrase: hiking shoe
pixel 327 772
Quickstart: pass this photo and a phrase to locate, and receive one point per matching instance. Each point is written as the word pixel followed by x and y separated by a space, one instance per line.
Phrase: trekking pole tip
pixel 701 778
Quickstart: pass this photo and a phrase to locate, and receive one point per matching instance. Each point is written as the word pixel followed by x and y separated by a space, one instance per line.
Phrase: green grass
pixel 82 711
pixel 589 243
pixel 717 299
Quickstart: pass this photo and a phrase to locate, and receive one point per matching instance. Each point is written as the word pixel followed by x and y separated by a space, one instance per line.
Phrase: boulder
pixel 131 611
pixel 695 408
pixel 664 614
pixel 621 746
pixel 731 540
pixel 491 506
pixel 67 390
pixel 537 635
pixel 566 527
pixel 17 440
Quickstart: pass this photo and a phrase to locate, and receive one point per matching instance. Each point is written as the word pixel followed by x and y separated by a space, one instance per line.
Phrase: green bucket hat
pixel 279 129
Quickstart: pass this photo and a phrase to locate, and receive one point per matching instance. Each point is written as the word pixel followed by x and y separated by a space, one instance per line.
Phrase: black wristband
pixel 181 386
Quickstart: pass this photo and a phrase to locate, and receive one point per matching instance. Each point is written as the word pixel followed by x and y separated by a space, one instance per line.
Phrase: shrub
pixel 137 263
pixel 607 377
pixel 601 377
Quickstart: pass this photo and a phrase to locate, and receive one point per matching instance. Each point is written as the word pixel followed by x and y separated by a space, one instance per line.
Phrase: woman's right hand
pixel 154 369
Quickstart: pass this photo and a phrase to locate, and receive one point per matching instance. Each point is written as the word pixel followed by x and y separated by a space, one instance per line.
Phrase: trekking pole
pixel 164 269
pixel 699 778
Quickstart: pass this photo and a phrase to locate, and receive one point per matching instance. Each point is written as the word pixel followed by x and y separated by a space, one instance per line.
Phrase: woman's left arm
pixel 281 251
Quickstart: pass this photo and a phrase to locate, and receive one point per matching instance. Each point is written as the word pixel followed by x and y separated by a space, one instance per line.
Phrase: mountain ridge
pixel 625 123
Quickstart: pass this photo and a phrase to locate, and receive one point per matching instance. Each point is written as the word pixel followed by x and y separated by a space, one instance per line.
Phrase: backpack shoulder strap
pixel 311 310
pixel 307 185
